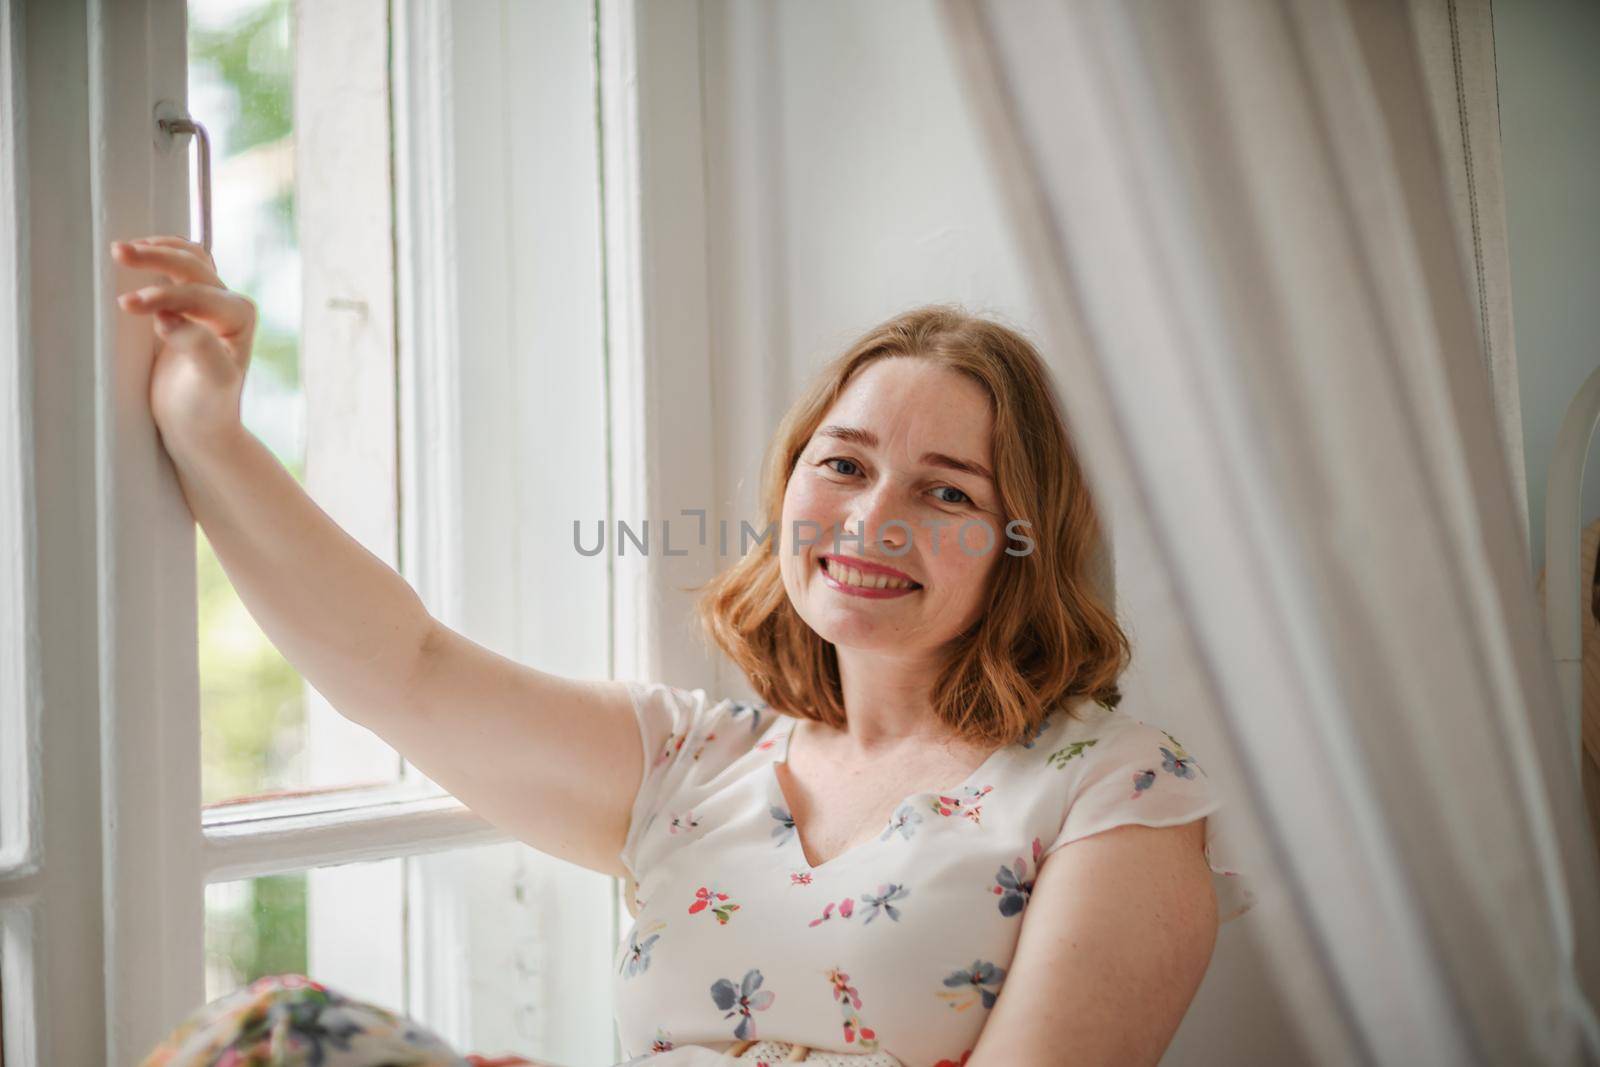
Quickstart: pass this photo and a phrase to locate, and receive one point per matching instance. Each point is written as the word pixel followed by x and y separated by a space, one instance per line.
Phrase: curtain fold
pixel 1455 52
pixel 1238 221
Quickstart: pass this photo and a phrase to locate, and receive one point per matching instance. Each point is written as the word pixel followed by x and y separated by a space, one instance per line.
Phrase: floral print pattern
pixel 636 958
pixel 881 901
pixel 977 984
pixel 716 901
pixel 965 805
pixel 847 908
pixel 1178 762
pixel 293 1021
pixel 1069 778
pixel 785 828
pixel 855 1031
pixel 747 997
pixel 1061 756
pixel 904 823
pixel 915 883
pixel 1014 886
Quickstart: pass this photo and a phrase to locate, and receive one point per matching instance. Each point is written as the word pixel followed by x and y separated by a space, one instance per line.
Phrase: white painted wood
pixel 661 392
pixel 253 845
pixel 1235 219
pixel 504 444
pixel 149 724
pixel 522 929
pixel 428 314
pixel 53 918
pixel 155 864
pixel 19 708
pixel 344 214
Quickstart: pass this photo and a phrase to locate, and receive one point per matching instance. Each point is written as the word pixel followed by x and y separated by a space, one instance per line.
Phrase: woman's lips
pixel 862 591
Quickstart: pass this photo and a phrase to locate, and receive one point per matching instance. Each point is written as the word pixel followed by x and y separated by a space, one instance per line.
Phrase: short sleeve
pixel 688 740
pixel 1136 773
pixel 666 715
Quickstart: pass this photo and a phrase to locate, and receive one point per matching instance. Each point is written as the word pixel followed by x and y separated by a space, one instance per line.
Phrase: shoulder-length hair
pixel 1045 638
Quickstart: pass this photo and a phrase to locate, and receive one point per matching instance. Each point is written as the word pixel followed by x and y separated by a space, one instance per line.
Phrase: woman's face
pixel 880 454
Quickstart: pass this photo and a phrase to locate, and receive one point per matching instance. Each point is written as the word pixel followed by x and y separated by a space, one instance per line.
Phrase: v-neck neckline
pixel 981 770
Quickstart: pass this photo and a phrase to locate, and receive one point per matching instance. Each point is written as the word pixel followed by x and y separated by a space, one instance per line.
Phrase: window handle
pixel 184 124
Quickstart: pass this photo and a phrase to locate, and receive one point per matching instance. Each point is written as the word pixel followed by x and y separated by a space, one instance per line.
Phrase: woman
pixel 805 881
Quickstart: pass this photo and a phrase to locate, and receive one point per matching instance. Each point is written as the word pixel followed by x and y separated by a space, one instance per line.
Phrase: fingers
pixel 227 314
pixel 179 260
pixel 170 241
pixel 183 244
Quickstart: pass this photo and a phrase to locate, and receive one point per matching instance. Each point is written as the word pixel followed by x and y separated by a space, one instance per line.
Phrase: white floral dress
pixel 900 943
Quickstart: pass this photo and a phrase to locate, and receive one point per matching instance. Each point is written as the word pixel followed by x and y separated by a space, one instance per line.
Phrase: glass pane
pixel 511 952
pixel 498 949
pixel 340 925
pixel 18 1031
pixel 263 730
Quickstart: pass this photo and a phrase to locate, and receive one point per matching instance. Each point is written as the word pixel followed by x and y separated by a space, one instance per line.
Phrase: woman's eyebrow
pixel 868 439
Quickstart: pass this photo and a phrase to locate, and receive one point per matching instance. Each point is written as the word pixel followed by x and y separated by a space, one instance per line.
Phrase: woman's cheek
pixel 812 500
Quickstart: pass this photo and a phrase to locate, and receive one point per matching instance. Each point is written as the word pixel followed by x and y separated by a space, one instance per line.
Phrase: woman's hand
pixel 197 381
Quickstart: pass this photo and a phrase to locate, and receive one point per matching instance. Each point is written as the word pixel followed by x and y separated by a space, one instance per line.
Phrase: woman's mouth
pixel 854 582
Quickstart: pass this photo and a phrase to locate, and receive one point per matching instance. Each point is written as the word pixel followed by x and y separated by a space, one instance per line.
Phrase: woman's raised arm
pixel 554 761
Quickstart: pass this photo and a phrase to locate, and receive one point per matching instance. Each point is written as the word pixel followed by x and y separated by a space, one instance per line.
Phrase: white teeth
pixel 847 575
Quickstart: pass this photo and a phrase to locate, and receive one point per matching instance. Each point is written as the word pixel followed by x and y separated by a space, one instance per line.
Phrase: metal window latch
pixel 184 124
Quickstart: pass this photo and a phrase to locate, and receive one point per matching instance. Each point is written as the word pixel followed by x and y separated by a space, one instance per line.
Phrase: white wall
pixel 845 184
pixel 1549 83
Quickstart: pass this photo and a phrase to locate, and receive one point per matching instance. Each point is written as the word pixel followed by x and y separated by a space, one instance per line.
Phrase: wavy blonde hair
pixel 1044 637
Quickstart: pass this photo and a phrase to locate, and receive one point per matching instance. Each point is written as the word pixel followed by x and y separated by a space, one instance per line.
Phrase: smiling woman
pixel 822 817
pixel 934 446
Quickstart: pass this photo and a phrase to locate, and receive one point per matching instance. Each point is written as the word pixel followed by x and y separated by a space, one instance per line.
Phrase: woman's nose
pixel 880 517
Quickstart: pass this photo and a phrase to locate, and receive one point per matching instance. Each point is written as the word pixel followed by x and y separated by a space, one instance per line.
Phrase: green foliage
pixel 277 350
pixel 255 57
pixel 252 701
pixel 267 936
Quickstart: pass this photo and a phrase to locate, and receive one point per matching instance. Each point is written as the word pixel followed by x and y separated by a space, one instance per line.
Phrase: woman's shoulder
pixel 689 725
pixel 1081 741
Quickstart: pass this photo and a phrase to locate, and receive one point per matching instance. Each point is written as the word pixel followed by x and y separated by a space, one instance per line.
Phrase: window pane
pixel 263 730
pixel 254 928
pixel 17 1030
pixel 511 952
pixel 340 925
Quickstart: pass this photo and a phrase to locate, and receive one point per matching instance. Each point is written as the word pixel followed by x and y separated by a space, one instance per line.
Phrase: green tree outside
pixel 253 713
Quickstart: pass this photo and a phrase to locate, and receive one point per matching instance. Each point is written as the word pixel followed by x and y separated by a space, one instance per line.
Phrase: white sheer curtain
pixel 1455 50
pixel 1242 232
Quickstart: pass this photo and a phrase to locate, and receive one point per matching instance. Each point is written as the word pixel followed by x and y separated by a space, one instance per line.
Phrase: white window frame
pixel 104 862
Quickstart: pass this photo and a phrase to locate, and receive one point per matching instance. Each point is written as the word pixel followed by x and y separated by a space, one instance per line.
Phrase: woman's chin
pixel 847 627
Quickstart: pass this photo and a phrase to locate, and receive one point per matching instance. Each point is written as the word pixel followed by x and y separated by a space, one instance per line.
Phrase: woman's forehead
pixel 914 401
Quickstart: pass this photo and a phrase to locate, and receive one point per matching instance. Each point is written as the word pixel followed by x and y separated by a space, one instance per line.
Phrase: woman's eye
pixel 962 498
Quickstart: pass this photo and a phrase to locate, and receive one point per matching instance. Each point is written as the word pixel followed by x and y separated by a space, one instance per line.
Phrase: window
pixel 450 336
pixel 263 730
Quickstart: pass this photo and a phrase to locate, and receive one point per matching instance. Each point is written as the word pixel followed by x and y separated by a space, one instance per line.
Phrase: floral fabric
pixel 293 1021
pixel 901 943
